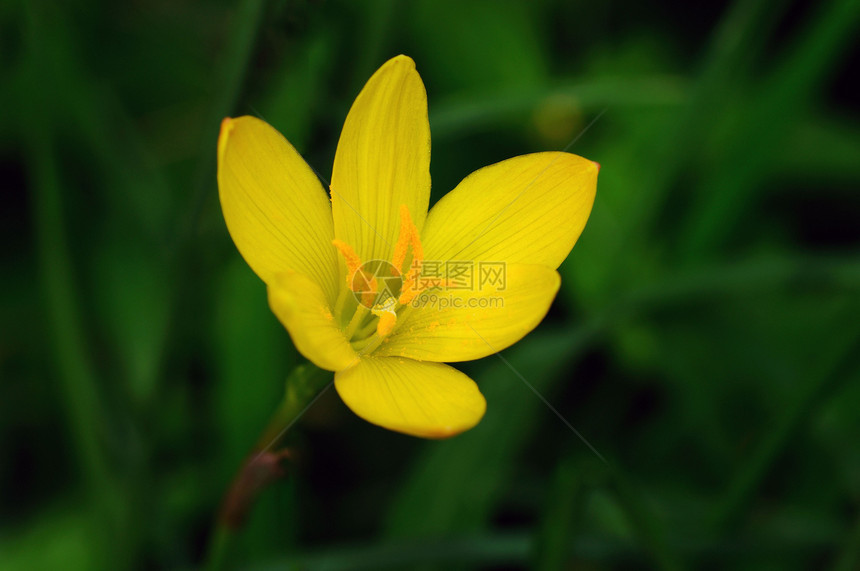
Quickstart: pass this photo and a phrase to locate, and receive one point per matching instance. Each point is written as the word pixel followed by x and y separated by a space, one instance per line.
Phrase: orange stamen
pixel 410 288
pixel 408 237
pixel 417 248
pixel 353 262
pixel 403 239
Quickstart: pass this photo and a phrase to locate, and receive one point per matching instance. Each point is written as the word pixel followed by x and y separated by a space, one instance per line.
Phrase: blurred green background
pixel 705 339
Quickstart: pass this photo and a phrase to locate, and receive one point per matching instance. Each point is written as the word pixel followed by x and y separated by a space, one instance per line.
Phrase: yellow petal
pixel 529 209
pixel 430 400
pixel 276 210
pixel 466 324
pixel 382 161
pixel 301 307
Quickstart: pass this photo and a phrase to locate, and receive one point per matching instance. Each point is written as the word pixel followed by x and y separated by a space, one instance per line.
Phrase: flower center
pixel 380 290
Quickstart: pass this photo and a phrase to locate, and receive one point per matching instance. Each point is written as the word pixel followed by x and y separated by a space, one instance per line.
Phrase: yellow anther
pixel 387 316
pixel 386 324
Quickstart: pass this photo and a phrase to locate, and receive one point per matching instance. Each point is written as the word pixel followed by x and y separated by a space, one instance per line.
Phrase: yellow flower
pixel 373 287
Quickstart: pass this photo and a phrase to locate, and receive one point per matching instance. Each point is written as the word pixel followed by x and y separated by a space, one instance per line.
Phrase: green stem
pixel 369 345
pixel 363 334
pixel 262 466
pixel 303 386
pixel 357 318
pixel 340 304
